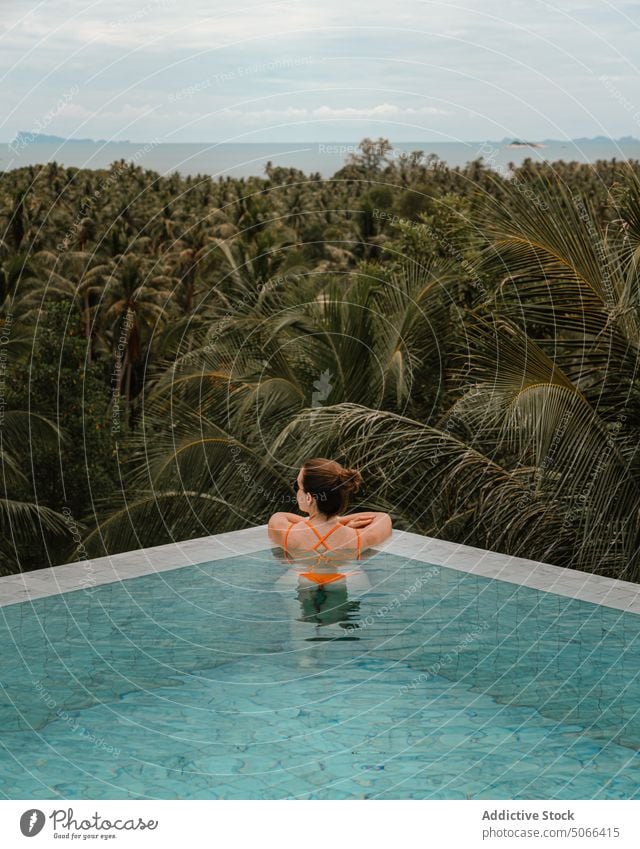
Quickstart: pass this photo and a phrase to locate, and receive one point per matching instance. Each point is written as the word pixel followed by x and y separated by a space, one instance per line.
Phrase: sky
pixel 246 71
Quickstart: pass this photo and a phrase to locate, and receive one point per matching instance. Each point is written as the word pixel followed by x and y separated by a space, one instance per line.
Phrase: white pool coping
pixel 621 595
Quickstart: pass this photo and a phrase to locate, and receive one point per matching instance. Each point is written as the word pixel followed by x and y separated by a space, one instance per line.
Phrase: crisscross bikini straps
pixel 321 539
pixel 284 542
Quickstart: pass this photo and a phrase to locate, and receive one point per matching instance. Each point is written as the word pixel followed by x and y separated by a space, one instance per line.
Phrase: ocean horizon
pixel 245 159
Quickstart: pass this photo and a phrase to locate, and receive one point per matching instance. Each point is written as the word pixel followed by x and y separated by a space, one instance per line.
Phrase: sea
pixel 222 160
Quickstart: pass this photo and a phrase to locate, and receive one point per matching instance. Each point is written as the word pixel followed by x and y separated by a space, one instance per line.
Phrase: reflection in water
pixel 322 584
pixel 324 606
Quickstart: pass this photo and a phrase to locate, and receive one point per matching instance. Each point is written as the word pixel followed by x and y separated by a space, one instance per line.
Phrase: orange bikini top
pixel 321 577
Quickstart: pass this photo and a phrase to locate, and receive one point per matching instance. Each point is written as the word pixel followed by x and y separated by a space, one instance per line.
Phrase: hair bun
pixel 351 478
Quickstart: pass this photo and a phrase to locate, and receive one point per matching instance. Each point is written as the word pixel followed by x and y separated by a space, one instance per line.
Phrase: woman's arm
pixel 278 524
pixel 359 520
pixel 376 529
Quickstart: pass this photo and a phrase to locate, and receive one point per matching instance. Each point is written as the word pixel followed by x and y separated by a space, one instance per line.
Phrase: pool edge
pixel 609 592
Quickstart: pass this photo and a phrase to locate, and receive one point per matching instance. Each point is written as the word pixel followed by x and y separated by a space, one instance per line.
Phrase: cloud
pixel 528 66
pixel 330 113
pixel 155 25
pixel 125 113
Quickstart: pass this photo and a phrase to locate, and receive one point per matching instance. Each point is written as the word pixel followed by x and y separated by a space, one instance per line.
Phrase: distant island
pixel 519 143
pixel 244 159
pixel 23 138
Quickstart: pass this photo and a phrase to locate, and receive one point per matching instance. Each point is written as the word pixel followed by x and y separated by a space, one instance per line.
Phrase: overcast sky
pixel 414 70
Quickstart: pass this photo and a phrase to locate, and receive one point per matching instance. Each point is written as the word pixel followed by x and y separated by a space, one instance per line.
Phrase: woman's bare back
pixel 305 537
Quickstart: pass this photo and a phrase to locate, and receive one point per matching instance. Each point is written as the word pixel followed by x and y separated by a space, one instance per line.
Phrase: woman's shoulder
pixel 282 520
pixel 277 520
pixel 279 524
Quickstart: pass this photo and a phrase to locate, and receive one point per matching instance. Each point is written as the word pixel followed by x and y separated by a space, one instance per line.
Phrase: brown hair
pixel 330 484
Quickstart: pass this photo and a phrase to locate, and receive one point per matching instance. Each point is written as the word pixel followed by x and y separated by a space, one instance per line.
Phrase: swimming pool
pixel 231 679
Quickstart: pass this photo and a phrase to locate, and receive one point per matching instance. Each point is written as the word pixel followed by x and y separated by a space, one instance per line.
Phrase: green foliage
pixel 71 471
pixel 470 340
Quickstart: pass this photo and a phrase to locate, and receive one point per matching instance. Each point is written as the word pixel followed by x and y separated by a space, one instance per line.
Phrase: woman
pixel 323 489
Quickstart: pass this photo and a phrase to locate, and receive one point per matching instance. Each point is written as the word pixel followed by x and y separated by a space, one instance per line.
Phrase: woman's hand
pixel 357 520
pixel 293 517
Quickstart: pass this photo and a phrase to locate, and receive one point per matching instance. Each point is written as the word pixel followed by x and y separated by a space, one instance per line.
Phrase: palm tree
pixel 75 274
pixel 137 302
pixel 211 419
pixel 538 456
pixel 22 520
pixel 479 359
pixel 190 256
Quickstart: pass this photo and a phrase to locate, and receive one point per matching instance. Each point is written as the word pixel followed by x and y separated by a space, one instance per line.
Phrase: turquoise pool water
pixel 235 679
